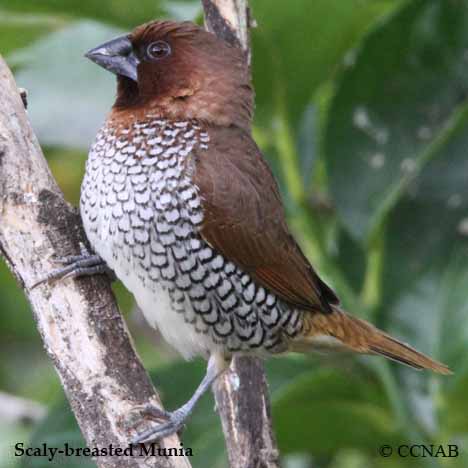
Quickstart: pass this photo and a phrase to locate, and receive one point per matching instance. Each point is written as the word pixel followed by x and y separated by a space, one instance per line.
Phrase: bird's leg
pixel 176 419
pixel 85 264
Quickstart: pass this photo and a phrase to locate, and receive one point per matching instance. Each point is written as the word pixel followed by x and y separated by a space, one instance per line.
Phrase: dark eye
pixel 158 50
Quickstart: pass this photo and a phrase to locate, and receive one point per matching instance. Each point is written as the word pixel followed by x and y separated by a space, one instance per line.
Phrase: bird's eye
pixel 158 50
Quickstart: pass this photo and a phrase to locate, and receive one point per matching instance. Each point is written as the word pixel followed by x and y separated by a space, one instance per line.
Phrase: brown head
pixel 180 71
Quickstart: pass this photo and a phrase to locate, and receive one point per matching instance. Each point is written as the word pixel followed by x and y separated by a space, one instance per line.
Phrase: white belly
pixel 157 309
pixel 155 303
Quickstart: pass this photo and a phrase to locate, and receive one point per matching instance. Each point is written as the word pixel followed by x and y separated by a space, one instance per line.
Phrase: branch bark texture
pixel 79 322
pixel 241 393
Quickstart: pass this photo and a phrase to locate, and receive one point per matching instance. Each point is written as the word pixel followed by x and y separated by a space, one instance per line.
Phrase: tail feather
pixel 340 330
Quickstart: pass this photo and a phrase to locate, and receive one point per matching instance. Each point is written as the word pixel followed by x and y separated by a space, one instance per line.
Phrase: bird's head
pixel 180 71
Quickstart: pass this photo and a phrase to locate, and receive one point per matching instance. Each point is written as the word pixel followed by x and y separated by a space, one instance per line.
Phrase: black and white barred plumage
pixel 142 214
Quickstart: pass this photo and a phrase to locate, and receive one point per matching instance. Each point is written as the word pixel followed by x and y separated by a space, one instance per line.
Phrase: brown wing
pixel 244 220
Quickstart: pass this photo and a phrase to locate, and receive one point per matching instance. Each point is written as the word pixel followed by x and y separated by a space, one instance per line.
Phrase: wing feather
pixel 244 221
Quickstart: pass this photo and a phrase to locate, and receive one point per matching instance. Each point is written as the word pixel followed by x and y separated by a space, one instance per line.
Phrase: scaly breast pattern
pixel 142 215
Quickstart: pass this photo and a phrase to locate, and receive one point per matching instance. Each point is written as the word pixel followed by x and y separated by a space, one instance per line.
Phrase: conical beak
pixel 116 56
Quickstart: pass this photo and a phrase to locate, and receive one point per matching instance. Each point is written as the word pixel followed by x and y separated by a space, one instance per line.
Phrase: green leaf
pixel 325 411
pixel 431 316
pixel 119 12
pixel 427 229
pixel 18 31
pixel 391 105
pixel 16 316
pixel 11 433
pixel 456 406
pixel 296 48
pixel 307 145
pixel 425 273
pixel 351 258
pixel 58 428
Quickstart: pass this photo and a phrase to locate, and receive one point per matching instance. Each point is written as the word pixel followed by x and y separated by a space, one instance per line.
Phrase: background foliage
pixel 362 111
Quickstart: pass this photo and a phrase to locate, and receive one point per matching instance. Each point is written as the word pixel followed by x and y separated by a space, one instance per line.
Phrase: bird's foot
pixel 174 421
pixel 85 264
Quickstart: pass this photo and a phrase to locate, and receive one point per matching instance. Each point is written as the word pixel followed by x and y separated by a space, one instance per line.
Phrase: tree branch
pixel 79 321
pixel 241 393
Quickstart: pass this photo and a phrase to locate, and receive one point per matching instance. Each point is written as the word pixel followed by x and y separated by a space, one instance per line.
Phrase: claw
pixel 84 264
pixel 68 260
pixel 175 422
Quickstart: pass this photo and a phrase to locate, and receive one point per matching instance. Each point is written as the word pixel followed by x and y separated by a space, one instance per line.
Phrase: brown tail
pixel 340 330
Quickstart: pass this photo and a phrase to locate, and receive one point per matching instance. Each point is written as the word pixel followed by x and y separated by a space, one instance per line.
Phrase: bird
pixel 179 202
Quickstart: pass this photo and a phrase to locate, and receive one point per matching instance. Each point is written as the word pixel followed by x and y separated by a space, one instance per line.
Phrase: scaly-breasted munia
pixel 179 202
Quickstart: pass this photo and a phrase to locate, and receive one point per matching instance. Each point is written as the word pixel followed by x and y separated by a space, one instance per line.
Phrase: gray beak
pixel 116 56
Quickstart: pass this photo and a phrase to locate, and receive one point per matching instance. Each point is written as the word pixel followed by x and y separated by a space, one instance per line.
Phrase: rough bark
pixel 241 393
pixel 229 20
pixel 79 321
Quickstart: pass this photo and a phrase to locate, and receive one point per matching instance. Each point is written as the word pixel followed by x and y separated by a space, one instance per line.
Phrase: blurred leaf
pixel 426 270
pixel 325 411
pixel 350 458
pixel 289 62
pixel 68 167
pixel 10 435
pixel 432 317
pixel 183 10
pixel 120 12
pixel 351 258
pixel 58 428
pixel 209 450
pixel 407 80
pixel 18 31
pixel 282 371
pixel 16 316
pixel 307 145
pixel 69 96
pixel 427 228
pixel 456 407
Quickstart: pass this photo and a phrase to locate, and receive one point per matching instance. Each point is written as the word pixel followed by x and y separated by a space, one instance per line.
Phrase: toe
pixel 174 425
pixel 155 433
